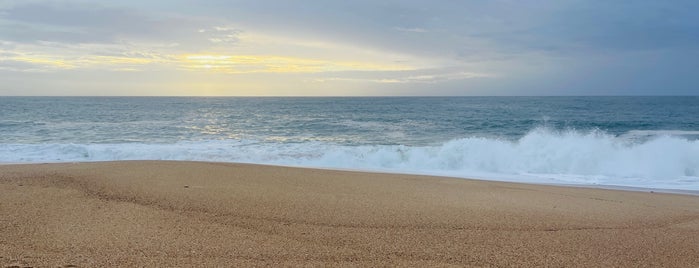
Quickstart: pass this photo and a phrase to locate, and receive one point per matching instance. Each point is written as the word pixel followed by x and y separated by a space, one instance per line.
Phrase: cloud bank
pixel 314 47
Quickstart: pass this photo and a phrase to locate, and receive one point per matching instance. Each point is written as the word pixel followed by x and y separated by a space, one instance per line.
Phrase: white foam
pixel 542 156
pixel 663 132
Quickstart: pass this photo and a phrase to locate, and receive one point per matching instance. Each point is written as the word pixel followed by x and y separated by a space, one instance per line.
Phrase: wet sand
pixel 184 214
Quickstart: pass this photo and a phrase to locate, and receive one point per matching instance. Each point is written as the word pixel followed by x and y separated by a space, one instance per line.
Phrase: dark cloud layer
pixel 463 27
pixel 91 23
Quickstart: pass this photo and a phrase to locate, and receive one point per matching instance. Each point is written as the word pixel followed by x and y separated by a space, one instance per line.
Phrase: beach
pixel 185 214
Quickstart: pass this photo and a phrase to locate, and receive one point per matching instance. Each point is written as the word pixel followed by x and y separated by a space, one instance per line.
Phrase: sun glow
pixel 45 62
pixel 277 64
pixel 232 64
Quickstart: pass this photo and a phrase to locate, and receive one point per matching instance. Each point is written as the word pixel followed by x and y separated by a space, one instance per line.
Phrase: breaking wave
pixel 660 159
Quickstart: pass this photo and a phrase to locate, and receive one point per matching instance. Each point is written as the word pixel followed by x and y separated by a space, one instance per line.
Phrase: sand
pixel 185 214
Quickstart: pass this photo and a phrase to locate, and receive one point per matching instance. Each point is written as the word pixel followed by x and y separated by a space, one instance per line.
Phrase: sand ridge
pixel 160 213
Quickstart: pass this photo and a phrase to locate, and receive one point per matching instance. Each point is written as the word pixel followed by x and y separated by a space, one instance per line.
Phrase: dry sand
pixel 149 213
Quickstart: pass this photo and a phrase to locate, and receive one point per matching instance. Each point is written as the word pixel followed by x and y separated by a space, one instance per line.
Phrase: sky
pixel 348 48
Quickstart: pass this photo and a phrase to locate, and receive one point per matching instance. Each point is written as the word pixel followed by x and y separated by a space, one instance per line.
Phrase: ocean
pixel 646 142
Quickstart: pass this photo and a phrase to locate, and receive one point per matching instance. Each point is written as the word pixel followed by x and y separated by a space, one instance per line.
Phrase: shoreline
pixel 183 214
pixel 389 172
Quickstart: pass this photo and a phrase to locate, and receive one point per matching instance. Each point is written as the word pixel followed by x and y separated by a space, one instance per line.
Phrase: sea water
pixel 650 142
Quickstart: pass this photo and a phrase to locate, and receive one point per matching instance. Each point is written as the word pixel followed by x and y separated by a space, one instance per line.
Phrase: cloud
pixel 441 47
pixel 425 76
pixel 24 66
pixel 54 36
pixel 579 28
pixel 79 23
pixel 411 30
pixel 241 64
pixel 215 63
pixel 480 30
pixel 462 30
pixel 222 35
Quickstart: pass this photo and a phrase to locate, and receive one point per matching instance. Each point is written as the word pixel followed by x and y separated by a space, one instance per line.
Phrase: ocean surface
pixel 648 142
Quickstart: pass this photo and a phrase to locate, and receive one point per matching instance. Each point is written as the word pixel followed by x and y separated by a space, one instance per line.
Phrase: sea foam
pixel 661 159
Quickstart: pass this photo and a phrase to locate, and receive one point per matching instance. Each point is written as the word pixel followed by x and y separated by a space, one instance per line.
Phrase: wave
pixel 665 160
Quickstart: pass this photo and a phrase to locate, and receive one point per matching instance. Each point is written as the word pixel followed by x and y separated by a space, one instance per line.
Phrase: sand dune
pixel 151 213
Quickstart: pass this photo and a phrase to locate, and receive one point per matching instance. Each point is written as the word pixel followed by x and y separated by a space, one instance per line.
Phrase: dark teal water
pixel 351 121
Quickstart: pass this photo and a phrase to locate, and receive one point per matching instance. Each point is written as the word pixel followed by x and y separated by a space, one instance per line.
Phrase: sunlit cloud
pixel 13 61
pixel 221 35
pixel 34 62
pixel 402 78
pixel 240 64
pixel 231 64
